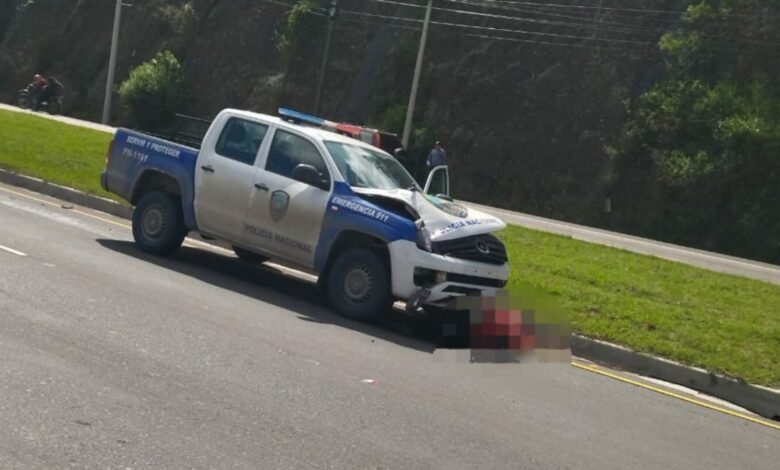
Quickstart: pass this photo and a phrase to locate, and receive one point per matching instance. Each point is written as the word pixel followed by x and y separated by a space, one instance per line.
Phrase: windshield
pixel 364 168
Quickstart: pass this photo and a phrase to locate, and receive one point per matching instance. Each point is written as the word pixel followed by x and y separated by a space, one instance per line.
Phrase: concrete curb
pixel 66 194
pixel 760 400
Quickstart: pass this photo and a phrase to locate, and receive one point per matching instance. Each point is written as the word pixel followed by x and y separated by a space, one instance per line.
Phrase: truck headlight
pixel 423 236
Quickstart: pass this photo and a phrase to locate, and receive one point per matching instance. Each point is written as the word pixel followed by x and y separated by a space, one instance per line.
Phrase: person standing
pixel 437 156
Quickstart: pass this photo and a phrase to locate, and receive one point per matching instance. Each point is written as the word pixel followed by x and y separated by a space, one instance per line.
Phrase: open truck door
pixel 438 183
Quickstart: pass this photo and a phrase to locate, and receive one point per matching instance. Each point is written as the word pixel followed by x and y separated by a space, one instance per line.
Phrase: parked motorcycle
pixel 52 104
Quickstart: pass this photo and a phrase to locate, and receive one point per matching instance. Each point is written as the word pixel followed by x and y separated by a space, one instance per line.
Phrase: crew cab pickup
pixel 312 200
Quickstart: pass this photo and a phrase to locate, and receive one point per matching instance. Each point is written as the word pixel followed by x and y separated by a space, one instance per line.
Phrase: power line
pixel 592 18
pixel 378 23
pixel 625 29
pixel 482 36
pixel 500 30
pixel 539 33
pixel 290 7
pixel 587 7
pixel 622 9
pixel 552 43
pixel 593 47
pixel 619 28
pixel 535 10
pixel 415 20
pixel 611 43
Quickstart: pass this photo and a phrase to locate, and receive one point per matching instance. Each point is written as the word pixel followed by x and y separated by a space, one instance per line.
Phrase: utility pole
pixel 333 12
pixel 112 63
pixel 416 80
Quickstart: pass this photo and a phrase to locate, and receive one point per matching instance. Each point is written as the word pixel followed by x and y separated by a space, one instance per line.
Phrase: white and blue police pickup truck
pixel 312 200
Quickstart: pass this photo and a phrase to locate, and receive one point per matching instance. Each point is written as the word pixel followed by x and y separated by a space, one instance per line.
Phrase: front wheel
pixel 359 285
pixel 158 224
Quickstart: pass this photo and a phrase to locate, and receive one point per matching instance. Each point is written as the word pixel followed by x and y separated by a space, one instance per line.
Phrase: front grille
pixel 476 280
pixel 462 290
pixel 468 248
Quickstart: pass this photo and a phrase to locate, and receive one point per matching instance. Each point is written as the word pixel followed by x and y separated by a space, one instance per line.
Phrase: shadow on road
pixel 265 283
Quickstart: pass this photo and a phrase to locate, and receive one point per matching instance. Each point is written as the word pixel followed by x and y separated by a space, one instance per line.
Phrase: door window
pixel 289 150
pixel 438 182
pixel 241 140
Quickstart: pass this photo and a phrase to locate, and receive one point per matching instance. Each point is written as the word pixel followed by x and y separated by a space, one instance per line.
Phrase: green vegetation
pixel 63 154
pixel 288 36
pixel 181 18
pixel 153 92
pixel 720 322
pixel 296 38
pixel 699 159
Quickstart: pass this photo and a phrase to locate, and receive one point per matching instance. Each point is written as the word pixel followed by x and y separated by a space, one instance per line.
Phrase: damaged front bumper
pixel 423 278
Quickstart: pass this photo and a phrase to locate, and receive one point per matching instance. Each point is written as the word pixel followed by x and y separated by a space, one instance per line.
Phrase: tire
pixel 359 285
pixel 53 107
pixel 23 101
pixel 249 256
pixel 158 223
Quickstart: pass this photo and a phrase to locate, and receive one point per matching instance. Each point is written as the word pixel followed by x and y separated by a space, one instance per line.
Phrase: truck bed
pixel 135 159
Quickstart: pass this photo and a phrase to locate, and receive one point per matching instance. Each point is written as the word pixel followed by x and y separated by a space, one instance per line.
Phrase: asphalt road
pixel 694 257
pixel 110 358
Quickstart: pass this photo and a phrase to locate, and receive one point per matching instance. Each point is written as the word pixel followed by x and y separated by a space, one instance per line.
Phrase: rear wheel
pixel 249 256
pixel 158 223
pixel 359 285
pixel 23 101
pixel 53 107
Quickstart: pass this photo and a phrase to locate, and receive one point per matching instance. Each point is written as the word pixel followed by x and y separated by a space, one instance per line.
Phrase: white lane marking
pixel 12 251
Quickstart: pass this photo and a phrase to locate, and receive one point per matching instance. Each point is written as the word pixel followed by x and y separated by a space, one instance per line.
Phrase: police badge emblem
pixel 279 202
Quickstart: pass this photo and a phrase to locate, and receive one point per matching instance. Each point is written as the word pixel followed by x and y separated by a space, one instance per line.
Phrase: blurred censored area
pixel 524 325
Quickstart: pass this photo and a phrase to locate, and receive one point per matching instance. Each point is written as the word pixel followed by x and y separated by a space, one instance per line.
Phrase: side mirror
pixel 309 175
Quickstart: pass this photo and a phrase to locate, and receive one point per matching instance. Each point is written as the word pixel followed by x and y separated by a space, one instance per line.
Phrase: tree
pixel 293 39
pixel 153 92
pixel 699 159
